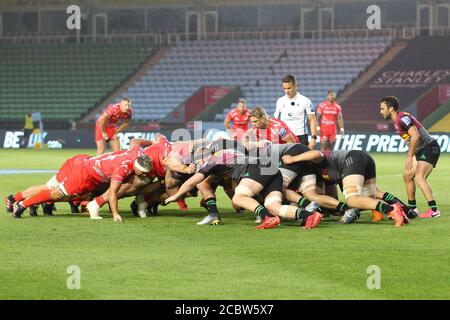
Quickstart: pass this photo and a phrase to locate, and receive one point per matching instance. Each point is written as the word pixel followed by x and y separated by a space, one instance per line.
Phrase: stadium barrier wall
pixel 66 139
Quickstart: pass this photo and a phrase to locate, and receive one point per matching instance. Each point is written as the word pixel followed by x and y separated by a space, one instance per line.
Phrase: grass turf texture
pixel 170 257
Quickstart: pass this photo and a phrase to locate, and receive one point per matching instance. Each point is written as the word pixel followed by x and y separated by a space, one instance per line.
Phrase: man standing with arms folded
pixel 329 114
pixel 422 157
pixel 296 110
pixel 239 116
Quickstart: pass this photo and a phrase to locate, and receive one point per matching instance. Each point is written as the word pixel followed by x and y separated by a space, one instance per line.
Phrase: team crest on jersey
pixel 406 120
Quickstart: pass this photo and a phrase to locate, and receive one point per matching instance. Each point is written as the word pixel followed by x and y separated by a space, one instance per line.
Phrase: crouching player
pixel 81 177
pixel 253 180
pixel 356 171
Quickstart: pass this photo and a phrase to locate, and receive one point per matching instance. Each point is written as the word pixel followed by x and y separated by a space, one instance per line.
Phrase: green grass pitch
pixel 170 257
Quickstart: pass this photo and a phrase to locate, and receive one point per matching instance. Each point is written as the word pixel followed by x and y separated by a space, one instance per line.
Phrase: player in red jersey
pixel 106 129
pixel 328 115
pixel 158 151
pixel 422 157
pixel 80 176
pixel 266 128
pixel 240 118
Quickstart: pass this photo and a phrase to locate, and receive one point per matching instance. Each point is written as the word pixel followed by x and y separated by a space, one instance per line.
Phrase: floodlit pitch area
pixel 170 257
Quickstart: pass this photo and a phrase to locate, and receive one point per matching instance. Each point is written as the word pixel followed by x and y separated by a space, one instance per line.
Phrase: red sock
pixel 41 197
pixel 18 196
pixel 100 201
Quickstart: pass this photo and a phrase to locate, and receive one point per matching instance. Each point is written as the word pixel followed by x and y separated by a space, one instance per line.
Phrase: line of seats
pixel 62 81
pixel 257 66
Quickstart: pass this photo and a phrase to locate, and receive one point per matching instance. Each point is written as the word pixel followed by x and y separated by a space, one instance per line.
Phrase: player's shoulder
pixel 282 99
pixel 277 122
pixel 322 104
pixel 232 112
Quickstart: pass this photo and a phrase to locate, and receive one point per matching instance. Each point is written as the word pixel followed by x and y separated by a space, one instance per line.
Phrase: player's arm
pixel 313 125
pixel 140 142
pixel 188 185
pixel 312 155
pixel 227 122
pixel 102 122
pixel 340 121
pixel 175 164
pixel 113 200
pixel 413 142
pixel 276 114
pixel 319 118
pixel 289 138
pixel 122 127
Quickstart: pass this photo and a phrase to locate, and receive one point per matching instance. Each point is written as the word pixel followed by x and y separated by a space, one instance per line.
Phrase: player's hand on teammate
pixel 287 159
pixel 190 169
pixel 105 136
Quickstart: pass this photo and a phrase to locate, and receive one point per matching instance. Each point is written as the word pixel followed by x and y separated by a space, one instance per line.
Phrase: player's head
pixel 241 105
pixel 388 105
pixel 142 165
pixel 125 104
pixel 331 96
pixel 259 118
pixel 289 84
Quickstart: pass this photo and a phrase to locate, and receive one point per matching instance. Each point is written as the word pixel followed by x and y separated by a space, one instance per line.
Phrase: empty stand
pixel 422 64
pixel 62 81
pixel 257 66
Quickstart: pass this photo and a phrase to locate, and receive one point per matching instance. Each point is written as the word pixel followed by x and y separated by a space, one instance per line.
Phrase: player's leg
pixel 48 195
pixel 408 178
pixel 208 195
pixel 243 197
pixel 423 171
pixel 100 147
pixel 324 142
pixel 114 144
pixel 308 188
pixel 148 198
pixel 129 188
pixel 244 193
pixel 353 186
pixel 332 141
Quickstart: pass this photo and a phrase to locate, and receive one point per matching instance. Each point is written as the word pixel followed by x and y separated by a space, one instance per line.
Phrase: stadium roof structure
pixel 96 4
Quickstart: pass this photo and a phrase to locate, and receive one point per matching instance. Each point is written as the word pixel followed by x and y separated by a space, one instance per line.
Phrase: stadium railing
pixel 174 38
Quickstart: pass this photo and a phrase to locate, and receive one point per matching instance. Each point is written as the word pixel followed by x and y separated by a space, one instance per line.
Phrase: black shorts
pixel 303 139
pixel 430 153
pixel 358 162
pixel 181 176
pixel 307 170
pixel 269 182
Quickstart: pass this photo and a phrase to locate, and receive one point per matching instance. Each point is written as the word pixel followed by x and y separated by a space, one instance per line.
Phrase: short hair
pixel 145 161
pixel 391 101
pixel 330 91
pixel 126 99
pixel 289 78
pixel 242 100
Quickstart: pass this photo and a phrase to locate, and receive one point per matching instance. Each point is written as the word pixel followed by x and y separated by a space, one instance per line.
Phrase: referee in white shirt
pixel 296 110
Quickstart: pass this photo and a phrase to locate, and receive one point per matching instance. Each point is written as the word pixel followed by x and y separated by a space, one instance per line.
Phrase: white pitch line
pixel 24 171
